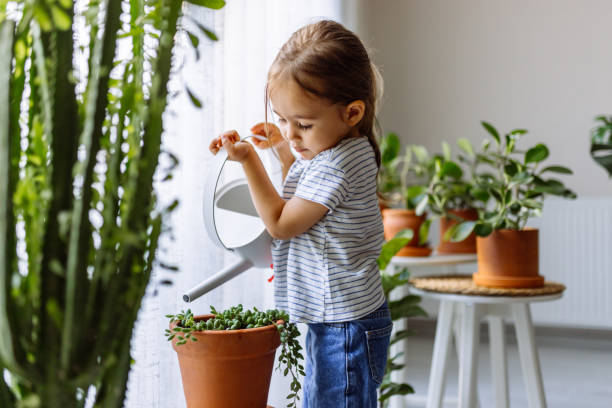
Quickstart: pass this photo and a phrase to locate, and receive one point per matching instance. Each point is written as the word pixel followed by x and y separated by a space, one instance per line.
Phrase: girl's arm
pixel 286 157
pixel 283 219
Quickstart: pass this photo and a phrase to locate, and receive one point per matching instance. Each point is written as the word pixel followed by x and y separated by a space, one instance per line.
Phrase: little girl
pixel 327 226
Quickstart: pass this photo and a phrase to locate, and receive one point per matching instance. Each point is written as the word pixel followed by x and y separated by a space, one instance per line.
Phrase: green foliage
pixel 235 318
pixel 601 143
pixel 516 183
pixel 406 307
pixel 391 247
pixel 79 148
pixel 449 187
pixel 401 178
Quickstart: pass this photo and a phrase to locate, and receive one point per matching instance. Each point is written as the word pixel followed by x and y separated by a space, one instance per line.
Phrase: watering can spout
pixel 217 279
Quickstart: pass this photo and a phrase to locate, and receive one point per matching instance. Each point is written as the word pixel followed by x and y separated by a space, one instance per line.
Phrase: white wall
pixel 543 65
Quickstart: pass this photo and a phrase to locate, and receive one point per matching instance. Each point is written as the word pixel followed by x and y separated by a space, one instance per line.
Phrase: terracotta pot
pixel 468 245
pixel 227 368
pixel 509 259
pixel 381 204
pixel 394 220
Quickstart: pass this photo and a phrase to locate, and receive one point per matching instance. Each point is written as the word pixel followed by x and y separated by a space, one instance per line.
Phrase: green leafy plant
pixel 402 177
pixel 407 306
pixel 601 143
pixel 235 318
pixel 389 183
pixel 449 188
pixel 517 184
pixel 80 141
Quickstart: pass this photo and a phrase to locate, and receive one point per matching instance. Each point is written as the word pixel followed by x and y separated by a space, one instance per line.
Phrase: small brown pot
pixel 509 259
pixel 468 245
pixel 227 368
pixel 394 220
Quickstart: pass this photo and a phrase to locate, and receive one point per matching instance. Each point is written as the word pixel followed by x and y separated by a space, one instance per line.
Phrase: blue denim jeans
pixel 345 362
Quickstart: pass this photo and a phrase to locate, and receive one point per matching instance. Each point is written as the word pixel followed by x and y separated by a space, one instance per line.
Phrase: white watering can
pixel 232 223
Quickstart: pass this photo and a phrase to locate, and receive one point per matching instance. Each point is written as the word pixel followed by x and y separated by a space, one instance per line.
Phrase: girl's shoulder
pixel 349 151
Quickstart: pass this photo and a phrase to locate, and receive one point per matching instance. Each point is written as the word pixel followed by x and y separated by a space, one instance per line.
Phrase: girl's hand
pixel 230 141
pixel 274 136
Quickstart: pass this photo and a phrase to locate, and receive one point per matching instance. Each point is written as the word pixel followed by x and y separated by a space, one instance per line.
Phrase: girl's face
pixel 310 124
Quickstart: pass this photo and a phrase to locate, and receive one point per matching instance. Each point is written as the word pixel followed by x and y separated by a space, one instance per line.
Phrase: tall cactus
pixel 79 222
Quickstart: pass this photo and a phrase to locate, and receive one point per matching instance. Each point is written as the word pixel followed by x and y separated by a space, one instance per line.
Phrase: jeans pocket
pixel 378 343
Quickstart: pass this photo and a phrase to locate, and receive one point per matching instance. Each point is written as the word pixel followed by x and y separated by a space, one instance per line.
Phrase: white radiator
pixel 576 250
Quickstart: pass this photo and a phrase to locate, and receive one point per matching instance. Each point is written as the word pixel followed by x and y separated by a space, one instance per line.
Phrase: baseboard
pixel 554 336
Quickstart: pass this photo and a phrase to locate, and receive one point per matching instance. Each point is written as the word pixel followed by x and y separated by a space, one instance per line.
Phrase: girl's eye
pixel 281 120
pixel 303 127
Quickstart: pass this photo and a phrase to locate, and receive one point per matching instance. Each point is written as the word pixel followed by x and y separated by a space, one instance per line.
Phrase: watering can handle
pixel 217 279
pixel 209 196
pixel 210 190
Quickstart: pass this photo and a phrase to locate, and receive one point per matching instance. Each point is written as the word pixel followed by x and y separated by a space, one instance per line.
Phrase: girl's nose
pixel 292 133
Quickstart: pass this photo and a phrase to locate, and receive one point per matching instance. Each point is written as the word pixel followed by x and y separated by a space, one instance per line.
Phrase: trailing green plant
pixel 406 307
pixel 517 183
pixel 235 318
pixel 601 143
pixel 80 141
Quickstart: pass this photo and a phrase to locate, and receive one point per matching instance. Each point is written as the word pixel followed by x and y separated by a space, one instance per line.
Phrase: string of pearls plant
pixel 235 318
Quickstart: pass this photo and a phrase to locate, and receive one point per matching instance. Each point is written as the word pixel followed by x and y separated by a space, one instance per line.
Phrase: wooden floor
pixel 577 373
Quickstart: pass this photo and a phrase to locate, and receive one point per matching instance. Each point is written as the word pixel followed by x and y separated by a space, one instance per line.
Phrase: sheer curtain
pixel 229 80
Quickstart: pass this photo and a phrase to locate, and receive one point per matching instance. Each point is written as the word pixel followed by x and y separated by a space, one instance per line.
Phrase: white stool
pixel 467 311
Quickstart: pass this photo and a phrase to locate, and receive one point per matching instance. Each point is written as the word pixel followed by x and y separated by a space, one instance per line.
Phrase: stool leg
pixel 499 372
pixel 468 370
pixel 529 355
pixel 440 355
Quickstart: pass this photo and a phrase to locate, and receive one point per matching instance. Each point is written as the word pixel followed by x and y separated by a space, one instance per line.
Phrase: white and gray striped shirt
pixel 329 273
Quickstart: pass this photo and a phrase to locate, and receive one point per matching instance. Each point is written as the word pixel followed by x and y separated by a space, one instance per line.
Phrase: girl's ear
pixel 353 112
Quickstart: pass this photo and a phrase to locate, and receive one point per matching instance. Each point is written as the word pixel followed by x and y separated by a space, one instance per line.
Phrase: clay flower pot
pixel 227 368
pixel 509 259
pixel 468 245
pixel 394 220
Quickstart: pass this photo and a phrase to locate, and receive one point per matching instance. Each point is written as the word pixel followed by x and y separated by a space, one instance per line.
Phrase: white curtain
pixel 229 80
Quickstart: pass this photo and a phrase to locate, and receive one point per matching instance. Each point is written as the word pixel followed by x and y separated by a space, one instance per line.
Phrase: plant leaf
pixel 451 169
pixel 557 169
pixel 446 151
pixel 465 145
pixel 211 4
pixel 193 98
pixel 424 231
pixel 492 131
pixel 483 229
pixel 389 148
pixel 460 231
pixel 422 205
pixel 536 154
pixel 391 247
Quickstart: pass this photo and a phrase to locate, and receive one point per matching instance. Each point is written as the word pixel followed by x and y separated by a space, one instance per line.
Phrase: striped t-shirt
pixel 329 273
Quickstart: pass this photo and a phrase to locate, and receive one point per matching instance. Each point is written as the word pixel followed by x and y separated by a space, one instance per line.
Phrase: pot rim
pixel 396 211
pixel 226 332
pixel 510 230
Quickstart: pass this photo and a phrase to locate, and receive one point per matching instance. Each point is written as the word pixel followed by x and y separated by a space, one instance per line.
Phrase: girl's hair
pixel 329 61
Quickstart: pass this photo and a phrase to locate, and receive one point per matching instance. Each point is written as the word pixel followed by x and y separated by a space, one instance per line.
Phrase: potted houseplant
pixel 452 198
pixel 226 357
pixel 507 250
pixel 80 141
pixel 601 143
pixel 401 182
